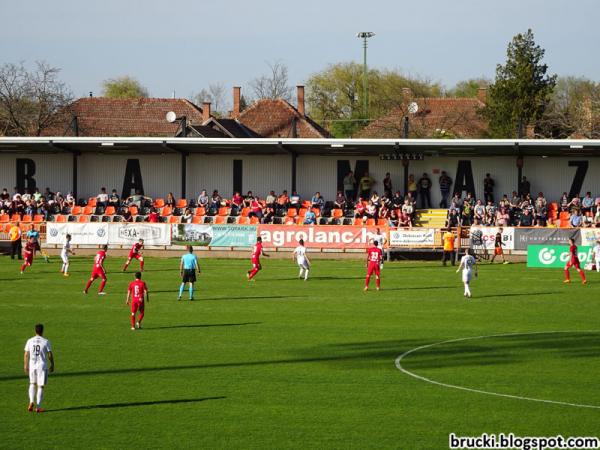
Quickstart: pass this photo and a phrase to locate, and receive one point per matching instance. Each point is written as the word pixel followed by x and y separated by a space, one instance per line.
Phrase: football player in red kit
pixel 573 262
pixel 257 252
pixel 374 258
pixel 28 252
pixel 136 253
pixel 136 292
pixel 98 271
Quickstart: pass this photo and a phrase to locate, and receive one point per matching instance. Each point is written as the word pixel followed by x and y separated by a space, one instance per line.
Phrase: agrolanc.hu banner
pixel 329 236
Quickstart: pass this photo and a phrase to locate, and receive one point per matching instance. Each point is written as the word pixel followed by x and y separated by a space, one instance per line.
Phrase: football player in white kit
pixel 64 254
pixel 302 260
pixel 596 251
pixel 38 352
pixel 382 240
pixel 467 263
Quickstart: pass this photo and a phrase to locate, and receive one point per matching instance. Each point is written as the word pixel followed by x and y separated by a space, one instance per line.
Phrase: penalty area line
pixel 399 366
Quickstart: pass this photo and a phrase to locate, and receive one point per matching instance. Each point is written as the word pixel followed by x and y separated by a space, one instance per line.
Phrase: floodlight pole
pixel 365 35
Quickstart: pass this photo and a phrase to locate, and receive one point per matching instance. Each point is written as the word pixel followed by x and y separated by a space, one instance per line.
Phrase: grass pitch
pixel 283 363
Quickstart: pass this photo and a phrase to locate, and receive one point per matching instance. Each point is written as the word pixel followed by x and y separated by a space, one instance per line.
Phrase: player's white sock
pixel 40 395
pixel 306 274
pixel 301 272
pixel 31 393
pixel 467 290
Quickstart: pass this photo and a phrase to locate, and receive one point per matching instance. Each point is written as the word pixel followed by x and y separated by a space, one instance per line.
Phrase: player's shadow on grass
pixel 516 294
pixel 315 278
pixel 417 288
pixel 203 325
pixel 132 404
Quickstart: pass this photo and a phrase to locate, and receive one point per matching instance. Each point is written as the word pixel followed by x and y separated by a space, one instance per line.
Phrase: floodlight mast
pixel 365 35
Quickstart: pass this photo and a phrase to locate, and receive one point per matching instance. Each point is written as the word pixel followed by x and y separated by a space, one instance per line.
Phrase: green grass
pixel 281 363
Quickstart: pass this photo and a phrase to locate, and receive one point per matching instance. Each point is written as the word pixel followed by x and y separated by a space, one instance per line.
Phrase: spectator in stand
pixel 488 188
pixel 283 201
pixel 203 199
pixel 317 201
pixel 479 213
pixel 376 199
pixel 470 200
pixel 576 220
pixel 453 219
pixel 408 208
pixel 170 200
pixel 237 202
pixel 30 207
pixel 384 212
pixel 588 220
pixel 412 187
pixel 490 214
pixel 467 214
pixel 59 201
pixel 26 196
pixel 445 185
pixel 387 184
pixel 404 220
pixel 188 216
pixel 70 200
pixel 575 204
pixel 371 212
pixel 37 195
pixel 411 199
pixel 113 199
pixel 587 203
pixel 48 194
pixel 271 200
pixel 138 199
pixel 269 213
pixel 256 209
pixel 102 198
pixel 127 217
pixel 216 201
pixel 393 218
pixel 524 187
pixel 597 218
pixel 425 191
pixel 4 196
pixel 295 201
pixel 310 218
pixel 526 219
pixel 359 209
pixel 397 200
pixel 366 183
pixel 456 201
pixel 153 216
pixel 504 201
pixel 502 217
pixel 340 200
pixel 563 203
pixel 16 194
pixel 349 183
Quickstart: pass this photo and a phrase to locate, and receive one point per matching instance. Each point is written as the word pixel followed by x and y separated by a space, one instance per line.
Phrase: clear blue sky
pixel 184 46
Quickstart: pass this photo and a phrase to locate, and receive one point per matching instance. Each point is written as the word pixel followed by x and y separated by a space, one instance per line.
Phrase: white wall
pixel 52 170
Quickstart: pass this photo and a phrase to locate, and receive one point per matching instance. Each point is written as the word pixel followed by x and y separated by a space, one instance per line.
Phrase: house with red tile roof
pixel 117 117
pixel 434 117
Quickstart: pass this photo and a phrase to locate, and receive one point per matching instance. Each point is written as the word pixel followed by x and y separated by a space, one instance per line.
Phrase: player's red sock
pixel 252 273
pixel 367 280
pixel 582 274
pixel 89 283
pixel 141 266
pixel 102 284
pixel 23 267
pixel 567 275
pixel 378 281
pixel 125 266
pixel 140 317
pixel 132 320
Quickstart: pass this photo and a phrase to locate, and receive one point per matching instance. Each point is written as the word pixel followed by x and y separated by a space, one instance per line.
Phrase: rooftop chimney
pixel 482 95
pixel 530 132
pixel 236 102
pixel 205 111
pixel 407 93
pixel 301 99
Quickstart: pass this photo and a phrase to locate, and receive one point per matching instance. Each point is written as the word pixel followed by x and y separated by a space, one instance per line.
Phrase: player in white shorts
pixel 382 240
pixel 302 260
pixel 38 352
pixel 596 251
pixel 64 254
pixel 467 263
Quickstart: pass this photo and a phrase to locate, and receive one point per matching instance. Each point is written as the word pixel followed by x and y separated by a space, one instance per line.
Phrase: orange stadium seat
pixel 133 210
pixel 15 218
pixel 91 202
pixel 181 203
pixel 302 212
pixel 24 227
pixel 38 218
pixel 245 212
pixel 337 213
pixel 564 215
pixel 317 212
pixel 288 221
pixel 370 222
pixel 76 210
pixel 306 204
pixel 564 223
pixel 254 221
pixel 174 219
pixel 243 220
pixel 26 218
pixel 358 222
pixel 83 219
pixel 89 210
pixel 159 203
pixel 381 223
pixel 109 211
pixel 197 219
pixel 4 218
pixel 291 212
pixel 200 211
pixel 219 220
pixel 166 211
pixel 7 228
pixel 300 221
pixel 60 218
pixel 223 211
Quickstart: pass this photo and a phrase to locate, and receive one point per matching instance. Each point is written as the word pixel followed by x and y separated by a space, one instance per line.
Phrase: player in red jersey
pixel 28 252
pixel 573 262
pixel 257 252
pixel 136 253
pixel 374 258
pixel 98 271
pixel 136 292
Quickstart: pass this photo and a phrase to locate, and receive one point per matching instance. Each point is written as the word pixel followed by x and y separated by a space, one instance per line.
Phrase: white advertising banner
pixel 420 237
pixel 129 233
pixel 485 237
pixel 589 236
pixel 93 233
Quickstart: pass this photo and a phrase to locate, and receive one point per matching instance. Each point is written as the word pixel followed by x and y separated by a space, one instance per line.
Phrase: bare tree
pixel 30 102
pixel 274 84
pixel 215 94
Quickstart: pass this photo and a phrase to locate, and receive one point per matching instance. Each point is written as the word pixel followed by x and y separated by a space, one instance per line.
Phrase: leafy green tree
pixel 123 87
pixel 334 95
pixel 468 88
pixel 522 89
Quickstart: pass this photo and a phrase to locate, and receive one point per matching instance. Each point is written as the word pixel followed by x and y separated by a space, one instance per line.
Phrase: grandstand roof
pixel 349 147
